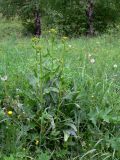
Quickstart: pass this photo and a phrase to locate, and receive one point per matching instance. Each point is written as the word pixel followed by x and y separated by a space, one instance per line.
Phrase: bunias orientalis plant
pixel 49 122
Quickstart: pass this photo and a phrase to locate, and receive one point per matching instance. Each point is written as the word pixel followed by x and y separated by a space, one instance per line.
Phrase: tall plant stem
pixel 41 79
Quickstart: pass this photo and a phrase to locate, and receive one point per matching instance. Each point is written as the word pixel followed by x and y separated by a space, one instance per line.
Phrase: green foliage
pixel 25 10
pixel 106 13
pixel 44 156
pixel 7 30
pixel 59 98
pixel 22 156
pixel 69 17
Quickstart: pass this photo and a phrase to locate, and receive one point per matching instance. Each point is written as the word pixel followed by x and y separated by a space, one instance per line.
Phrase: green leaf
pixel 51 89
pixel 66 135
pixel 72 126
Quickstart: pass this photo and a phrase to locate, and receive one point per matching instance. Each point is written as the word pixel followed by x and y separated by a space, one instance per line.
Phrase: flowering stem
pixel 41 76
pixel 37 87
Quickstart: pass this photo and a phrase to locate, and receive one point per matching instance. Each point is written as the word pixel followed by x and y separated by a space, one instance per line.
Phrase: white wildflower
pixel 115 65
pixel 4 78
pixel 18 90
pixel 92 60
pixel 89 55
pixel 70 46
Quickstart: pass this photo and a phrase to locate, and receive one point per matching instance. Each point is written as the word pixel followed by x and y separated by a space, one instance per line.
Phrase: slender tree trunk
pixel 37 24
pixel 89 13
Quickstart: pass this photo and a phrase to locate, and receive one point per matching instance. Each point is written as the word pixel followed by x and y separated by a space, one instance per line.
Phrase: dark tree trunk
pixel 37 24
pixel 90 19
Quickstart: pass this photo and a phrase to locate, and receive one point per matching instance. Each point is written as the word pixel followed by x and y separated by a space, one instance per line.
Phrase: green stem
pixel 41 80
pixel 37 86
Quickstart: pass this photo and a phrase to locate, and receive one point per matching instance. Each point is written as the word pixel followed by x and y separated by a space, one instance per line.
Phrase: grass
pixel 76 115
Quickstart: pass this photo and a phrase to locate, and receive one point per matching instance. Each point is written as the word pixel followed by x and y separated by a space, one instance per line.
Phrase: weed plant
pixel 59 99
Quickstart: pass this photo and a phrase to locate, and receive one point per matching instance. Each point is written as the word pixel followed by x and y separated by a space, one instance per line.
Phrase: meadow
pixel 59 97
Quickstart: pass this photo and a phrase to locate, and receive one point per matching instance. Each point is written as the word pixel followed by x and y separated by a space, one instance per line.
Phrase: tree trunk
pixel 37 24
pixel 89 13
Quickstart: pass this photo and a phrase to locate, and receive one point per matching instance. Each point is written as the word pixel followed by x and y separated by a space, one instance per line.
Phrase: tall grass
pixel 59 98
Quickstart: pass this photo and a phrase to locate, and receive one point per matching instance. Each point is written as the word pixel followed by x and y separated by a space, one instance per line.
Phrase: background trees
pixel 27 10
pixel 74 17
pixel 90 17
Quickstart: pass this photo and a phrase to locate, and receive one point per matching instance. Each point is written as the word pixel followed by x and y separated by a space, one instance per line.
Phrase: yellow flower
pixel 38 47
pixel 35 40
pixel 64 38
pixel 9 113
pixel 37 142
pixel 52 30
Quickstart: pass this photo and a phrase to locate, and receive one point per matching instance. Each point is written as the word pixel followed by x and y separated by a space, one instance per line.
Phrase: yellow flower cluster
pixel 38 47
pixel 52 30
pixel 64 38
pixel 35 40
